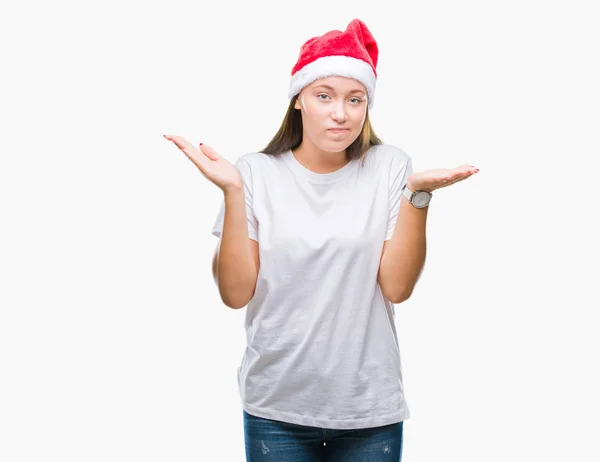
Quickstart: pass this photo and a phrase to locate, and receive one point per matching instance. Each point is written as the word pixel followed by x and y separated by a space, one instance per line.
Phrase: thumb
pixel 208 151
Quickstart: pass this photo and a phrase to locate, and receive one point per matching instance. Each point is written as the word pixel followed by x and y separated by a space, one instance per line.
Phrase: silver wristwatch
pixel 419 199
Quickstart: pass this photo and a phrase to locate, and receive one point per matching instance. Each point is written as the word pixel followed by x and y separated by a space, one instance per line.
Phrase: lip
pixel 338 130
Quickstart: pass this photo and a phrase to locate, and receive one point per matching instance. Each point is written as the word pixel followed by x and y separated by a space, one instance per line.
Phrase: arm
pixel 236 269
pixel 403 256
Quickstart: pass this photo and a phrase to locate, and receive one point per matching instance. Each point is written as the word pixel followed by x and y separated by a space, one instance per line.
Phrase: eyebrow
pixel 332 89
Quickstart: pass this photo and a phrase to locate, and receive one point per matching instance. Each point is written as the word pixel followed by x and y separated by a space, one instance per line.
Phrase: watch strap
pixel 407 193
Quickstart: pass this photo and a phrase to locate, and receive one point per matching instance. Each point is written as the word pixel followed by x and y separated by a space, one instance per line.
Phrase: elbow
pixel 400 296
pixel 234 303
pixel 237 298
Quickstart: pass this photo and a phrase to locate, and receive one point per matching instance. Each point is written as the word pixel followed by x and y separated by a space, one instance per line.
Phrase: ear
pixel 297 104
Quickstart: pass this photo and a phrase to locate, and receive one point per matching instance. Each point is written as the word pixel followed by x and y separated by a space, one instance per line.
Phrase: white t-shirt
pixel 322 348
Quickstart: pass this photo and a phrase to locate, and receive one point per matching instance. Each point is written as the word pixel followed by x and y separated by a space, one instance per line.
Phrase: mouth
pixel 338 130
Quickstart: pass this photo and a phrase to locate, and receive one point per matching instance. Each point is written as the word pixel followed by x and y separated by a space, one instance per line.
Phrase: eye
pixel 355 99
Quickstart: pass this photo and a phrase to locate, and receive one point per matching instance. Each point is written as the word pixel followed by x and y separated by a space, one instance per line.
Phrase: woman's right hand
pixel 214 167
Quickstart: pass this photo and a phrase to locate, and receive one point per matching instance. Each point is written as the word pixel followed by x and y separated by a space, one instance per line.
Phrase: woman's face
pixel 333 102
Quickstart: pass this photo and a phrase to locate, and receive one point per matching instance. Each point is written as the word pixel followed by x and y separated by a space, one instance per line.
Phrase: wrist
pixel 413 188
pixel 419 198
pixel 233 189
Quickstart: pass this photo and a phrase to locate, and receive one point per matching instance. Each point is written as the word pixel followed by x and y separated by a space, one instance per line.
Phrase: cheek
pixel 313 109
pixel 309 109
pixel 302 103
pixel 359 117
pixel 316 113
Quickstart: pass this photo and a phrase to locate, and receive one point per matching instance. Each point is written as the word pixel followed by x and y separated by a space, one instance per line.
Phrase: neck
pixel 319 160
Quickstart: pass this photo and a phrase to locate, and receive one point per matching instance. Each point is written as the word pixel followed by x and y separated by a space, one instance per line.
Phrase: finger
pixel 469 168
pixel 461 175
pixel 209 152
pixel 447 181
pixel 180 142
pixel 183 144
pixel 460 178
pixel 193 153
pixel 461 170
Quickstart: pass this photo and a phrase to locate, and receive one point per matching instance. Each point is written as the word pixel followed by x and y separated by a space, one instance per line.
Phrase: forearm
pixel 236 269
pixel 404 256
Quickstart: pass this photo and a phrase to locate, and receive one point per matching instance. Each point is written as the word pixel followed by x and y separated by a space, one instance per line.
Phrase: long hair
pixel 289 136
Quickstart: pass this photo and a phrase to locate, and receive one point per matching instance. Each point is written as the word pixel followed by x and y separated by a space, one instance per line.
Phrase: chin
pixel 334 147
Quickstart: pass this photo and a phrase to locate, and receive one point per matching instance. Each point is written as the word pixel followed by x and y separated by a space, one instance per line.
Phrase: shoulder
pixel 259 164
pixel 252 159
pixel 247 163
pixel 389 158
pixel 390 153
pixel 254 166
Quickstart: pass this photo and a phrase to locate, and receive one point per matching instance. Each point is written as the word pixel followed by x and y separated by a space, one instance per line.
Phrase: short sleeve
pixel 245 171
pixel 397 185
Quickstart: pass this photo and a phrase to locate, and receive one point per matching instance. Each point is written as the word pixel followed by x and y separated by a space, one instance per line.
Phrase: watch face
pixel 421 199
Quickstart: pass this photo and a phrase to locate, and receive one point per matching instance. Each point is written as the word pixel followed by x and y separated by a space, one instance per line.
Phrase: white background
pixel 114 343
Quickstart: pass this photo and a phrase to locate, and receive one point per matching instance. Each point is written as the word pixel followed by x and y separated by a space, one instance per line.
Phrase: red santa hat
pixel 352 53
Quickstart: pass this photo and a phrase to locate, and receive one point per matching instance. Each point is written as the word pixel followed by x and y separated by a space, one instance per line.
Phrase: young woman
pixel 321 233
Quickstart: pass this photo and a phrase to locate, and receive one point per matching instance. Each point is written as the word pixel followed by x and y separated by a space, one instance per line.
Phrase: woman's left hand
pixel 430 180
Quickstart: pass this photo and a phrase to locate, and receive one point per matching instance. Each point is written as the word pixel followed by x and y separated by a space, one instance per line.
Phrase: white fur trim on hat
pixel 328 66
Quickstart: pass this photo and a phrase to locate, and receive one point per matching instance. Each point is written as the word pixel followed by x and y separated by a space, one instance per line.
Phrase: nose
pixel 339 112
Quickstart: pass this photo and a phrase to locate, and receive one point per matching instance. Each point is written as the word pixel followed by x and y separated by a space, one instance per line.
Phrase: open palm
pixel 214 167
pixel 437 178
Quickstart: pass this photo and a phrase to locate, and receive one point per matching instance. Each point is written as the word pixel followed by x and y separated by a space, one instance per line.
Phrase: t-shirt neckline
pixel 314 177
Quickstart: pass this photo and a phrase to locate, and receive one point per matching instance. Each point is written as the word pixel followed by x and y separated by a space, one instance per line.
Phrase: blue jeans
pixel 272 440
